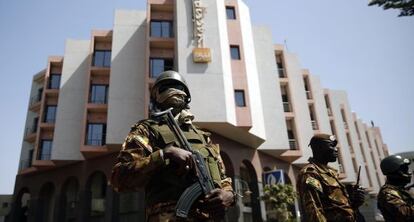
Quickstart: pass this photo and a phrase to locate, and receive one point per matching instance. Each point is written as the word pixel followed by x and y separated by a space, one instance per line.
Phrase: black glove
pixel 356 195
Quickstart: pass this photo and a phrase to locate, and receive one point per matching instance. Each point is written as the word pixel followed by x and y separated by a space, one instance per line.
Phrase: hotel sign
pixel 200 53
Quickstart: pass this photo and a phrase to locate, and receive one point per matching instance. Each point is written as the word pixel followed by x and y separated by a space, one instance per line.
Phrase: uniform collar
pixel 324 168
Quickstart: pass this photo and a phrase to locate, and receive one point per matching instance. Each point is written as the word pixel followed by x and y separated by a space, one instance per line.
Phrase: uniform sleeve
pixel 309 189
pixel 137 161
pixel 398 207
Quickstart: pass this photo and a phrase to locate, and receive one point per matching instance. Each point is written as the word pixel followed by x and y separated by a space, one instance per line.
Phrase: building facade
pixel 261 106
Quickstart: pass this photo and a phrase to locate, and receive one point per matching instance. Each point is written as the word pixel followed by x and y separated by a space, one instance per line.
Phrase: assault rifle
pixel 203 183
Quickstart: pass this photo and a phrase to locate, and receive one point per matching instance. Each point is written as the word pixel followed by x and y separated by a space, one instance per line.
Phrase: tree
pixel 406 6
pixel 280 198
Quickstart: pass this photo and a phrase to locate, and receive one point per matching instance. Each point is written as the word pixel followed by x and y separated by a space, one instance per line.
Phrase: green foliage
pixel 406 6
pixel 280 197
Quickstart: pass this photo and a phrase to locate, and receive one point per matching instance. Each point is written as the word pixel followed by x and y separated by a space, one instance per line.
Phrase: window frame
pixel 43 155
pixel 164 68
pixel 51 78
pixel 46 114
pixel 106 58
pixel 92 97
pixel 232 56
pixel 89 138
pixel 231 16
pixel 243 98
pixel 162 32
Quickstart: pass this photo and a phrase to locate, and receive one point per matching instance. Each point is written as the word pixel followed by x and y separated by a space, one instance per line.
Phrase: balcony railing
pixel 292 144
pixel 286 107
pixel 50 120
pixel 35 99
pixel 281 72
pixel 314 125
pixel 30 130
pixel 329 111
pixel 98 100
pixel 308 95
pixel 25 164
pixel 341 168
pixel 345 125
pixel 96 142
pixel 45 156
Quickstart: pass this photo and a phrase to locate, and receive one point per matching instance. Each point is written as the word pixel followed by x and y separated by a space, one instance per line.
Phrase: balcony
pixel 345 125
pixel 34 103
pixel 329 111
pixel 308 95
pixel 314 125
pixel 286 107
pixel 293 144
pixel 30 134
pixel 282 73
pixel 25 164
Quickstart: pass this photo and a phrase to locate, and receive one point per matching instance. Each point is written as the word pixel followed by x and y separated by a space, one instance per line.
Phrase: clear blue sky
pixel 364 50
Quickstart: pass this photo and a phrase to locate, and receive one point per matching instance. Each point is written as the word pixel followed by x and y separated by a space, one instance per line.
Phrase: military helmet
pixel 392 164
pixel 170 77
pixel 321 137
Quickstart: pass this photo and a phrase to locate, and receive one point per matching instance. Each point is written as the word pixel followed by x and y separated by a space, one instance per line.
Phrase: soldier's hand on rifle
pixel 179 156
pixel 216 202
pixel 356 195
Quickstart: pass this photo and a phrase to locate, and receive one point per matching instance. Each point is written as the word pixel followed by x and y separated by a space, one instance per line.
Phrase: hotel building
pixel 261 106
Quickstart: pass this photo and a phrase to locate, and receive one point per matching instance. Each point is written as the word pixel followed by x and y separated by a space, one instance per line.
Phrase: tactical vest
pixel 166 185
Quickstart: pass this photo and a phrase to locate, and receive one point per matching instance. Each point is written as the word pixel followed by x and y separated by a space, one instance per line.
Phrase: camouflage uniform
pixel 322 196
pixel 395 203
pixel 141 164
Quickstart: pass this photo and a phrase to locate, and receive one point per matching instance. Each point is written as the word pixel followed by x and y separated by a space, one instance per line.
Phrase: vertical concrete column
pixel 84 205
pixel 111 205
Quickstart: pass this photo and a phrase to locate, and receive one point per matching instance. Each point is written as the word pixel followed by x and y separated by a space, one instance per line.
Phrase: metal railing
pixel 50 120
pixel 292 144
pixel 281 72
pixel 98 100
pixel 30 130
pixel 314 125
pixel 96 142
pixel 25 164
pixel 45 156
pixel 35 99
pixel 287 107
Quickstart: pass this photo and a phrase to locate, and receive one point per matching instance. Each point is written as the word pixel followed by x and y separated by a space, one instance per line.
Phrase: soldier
pixel 151 159
pixel 322 196
pixel 394 202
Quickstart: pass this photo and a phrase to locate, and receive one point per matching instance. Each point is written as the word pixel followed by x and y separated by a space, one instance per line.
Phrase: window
pixel 280 67
pixel 35 123
pixel 99 94
pixel 285 98
pixel 231 13
pixel 307 88
pixel 162 29
pixel 102 58
pixel 45 149
pixel 50 114
pixel 235 52
pixel 239 96
pixel 96 134
pixel 290 125
pixel 158 65
pixel 54 81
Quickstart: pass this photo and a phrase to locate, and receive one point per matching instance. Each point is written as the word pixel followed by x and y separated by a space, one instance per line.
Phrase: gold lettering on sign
pixel 200 54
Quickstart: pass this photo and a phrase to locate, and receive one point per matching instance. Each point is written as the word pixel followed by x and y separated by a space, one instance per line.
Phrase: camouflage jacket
pixel 322 196
pixel 395 203
pixel 141 163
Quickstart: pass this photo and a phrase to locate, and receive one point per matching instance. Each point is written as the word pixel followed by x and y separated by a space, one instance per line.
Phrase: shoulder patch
pixel 314 183
pixel 394 193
